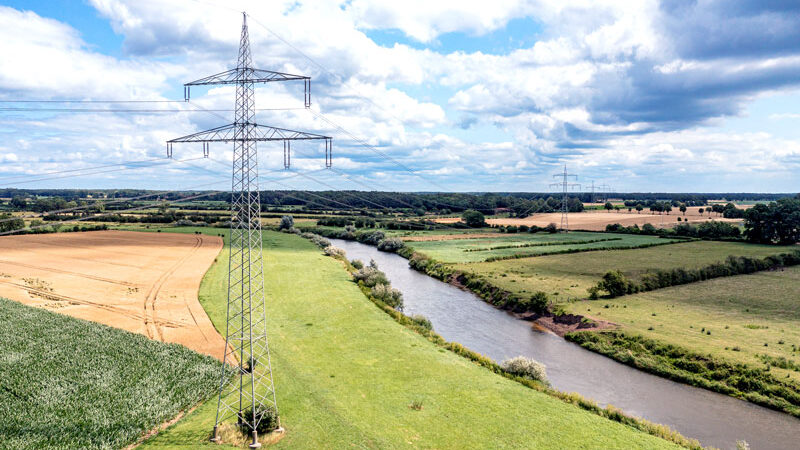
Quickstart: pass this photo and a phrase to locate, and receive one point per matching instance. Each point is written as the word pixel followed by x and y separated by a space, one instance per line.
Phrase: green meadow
pixel 347 374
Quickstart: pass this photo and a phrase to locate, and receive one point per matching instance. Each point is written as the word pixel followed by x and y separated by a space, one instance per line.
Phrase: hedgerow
pixel 616 284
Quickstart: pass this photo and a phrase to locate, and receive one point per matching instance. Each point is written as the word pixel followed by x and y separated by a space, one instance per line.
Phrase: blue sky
pixel 666 95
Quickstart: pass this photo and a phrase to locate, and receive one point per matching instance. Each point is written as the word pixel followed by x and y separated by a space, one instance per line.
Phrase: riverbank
pixel 565 318
pixel 460 316
pixel 346 374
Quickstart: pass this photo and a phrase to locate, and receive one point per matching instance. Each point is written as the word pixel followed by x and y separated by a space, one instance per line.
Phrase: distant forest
pixel 515 203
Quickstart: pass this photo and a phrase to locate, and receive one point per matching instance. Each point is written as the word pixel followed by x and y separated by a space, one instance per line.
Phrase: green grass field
pixel 346 374
pixel 570 275
pixel 69 383
pixel 505 245
pixel 715 317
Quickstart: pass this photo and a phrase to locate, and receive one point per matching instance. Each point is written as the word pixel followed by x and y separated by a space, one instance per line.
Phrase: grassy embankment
pixel 69 383
pixel 751 320
pixel 347 373
pixel 570 275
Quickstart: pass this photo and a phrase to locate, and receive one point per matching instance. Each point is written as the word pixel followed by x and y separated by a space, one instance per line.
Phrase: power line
pixel 93 173
pixel 89 101
pixel 123 163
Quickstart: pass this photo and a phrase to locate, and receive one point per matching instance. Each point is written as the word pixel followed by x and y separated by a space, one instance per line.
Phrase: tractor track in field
pixel 151 323
pixel 69 272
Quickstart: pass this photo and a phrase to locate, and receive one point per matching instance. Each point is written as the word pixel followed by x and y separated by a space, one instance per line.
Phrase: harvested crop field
pixel 141 282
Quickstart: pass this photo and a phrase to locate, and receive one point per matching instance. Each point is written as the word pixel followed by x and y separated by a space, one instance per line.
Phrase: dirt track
pixel 141 282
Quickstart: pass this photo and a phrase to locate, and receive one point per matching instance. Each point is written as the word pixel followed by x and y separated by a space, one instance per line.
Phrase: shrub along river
pixel 460 316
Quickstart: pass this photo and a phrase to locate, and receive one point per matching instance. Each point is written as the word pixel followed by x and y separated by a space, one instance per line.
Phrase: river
pixel 460 316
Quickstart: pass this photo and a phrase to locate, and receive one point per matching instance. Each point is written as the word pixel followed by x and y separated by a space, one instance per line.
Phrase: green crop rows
pixel 69 383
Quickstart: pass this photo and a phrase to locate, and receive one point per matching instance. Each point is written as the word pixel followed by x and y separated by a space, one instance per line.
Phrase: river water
pixel 457 315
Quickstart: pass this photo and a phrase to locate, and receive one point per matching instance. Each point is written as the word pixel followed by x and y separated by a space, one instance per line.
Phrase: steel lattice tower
pixel 246 385
pixel 565 184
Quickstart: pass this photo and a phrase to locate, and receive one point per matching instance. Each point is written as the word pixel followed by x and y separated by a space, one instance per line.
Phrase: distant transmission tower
pixel 605 189
pixel 565 185
pixel 247 388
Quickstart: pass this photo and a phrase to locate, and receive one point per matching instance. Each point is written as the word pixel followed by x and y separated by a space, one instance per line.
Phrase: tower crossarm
pixel 230 133
pixel 246 75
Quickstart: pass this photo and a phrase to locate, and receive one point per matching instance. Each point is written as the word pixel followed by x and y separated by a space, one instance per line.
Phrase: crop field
pixel 507 245
pixel 70 383
pixel 141 282
pixel 593 220
pixel 570 275
pixel 347 374
pixel 737 318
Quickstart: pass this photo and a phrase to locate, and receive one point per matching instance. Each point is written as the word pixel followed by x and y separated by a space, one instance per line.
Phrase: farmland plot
pixel 69 383
pixel 141 282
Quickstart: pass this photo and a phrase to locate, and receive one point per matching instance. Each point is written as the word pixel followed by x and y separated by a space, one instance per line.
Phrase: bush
pixel 539 302
pixel 392 245
pixel 317 239
pixel 266 420
pixel 388 295
pixel 373 238
pixel 551 228
pixel 357 264
pixel 422 321
pixel 287 223
pixel 615 283
pixel 335 252
pixel 526 367
pixel 370 276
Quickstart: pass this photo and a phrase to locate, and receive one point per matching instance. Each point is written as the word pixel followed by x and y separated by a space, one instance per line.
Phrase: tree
pixel 10 223
pixel 287 223
pixel 18 202
pixel 608 206
pixel 683 208
pixel 473 219
pixel 777 222
pixel 700 211
pixel 667 208
pixel 639 208
pixel 615 283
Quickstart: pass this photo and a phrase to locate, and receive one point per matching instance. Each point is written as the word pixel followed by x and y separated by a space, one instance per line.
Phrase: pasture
pixel 70 383
pixel 570 275
pixel 503 245
pixel 141 282
pixel 739 318
pixel 347 374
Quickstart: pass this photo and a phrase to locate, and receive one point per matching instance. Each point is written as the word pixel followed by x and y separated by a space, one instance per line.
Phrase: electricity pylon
pixel 246 385
pixel 566 185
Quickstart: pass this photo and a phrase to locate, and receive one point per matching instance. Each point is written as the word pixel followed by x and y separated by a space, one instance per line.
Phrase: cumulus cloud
pixel 615 84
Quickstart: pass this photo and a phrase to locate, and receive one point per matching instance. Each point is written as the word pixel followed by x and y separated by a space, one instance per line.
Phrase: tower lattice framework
pixel 565 185
pixel 246 383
